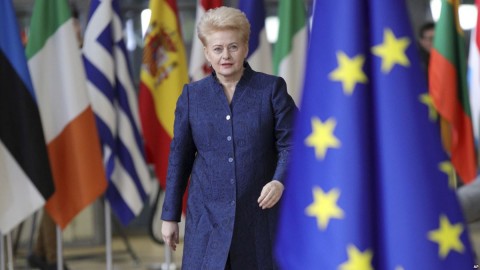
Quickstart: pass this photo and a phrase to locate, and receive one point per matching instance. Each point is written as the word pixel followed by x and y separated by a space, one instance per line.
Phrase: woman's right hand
pixel 170 233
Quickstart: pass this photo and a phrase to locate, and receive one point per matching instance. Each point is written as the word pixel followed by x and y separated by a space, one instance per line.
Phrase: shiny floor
pixel 144 254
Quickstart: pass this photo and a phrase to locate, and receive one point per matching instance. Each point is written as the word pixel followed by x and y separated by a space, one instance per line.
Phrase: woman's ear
pixel 205 52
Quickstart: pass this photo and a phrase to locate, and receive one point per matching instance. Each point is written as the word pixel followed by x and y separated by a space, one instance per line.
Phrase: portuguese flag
pixel 448 88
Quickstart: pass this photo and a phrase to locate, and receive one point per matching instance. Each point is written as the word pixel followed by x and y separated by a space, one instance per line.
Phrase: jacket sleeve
pixel 180 160
pixel 284 110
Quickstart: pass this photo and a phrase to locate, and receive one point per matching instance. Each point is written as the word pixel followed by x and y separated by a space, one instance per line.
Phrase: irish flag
pixel 163 74
pixel 291 47
pixel 59 81
pixel 449 90
pixel 199 67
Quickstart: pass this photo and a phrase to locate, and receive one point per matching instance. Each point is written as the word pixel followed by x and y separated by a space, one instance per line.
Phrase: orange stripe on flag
pixel 78 172
pixel 443 89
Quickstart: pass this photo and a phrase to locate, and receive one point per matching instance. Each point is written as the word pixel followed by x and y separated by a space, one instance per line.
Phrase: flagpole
pixel 168 264
pixel 59 248
pixel 2 257
pixel 108 236
pixel 9 251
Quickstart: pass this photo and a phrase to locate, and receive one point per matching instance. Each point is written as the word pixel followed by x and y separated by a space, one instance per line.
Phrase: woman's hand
pixel 271 194
pixel 170 233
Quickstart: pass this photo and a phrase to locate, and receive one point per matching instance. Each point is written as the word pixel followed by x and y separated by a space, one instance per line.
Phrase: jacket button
pixel 229 138
pixel 232 181
pixel 228 117
pixel 230 160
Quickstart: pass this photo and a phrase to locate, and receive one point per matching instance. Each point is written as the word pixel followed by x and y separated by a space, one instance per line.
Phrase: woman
pixel 232 138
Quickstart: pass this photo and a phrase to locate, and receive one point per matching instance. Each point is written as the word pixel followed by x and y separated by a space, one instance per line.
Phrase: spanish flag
pixel 449 90
pixel 163 74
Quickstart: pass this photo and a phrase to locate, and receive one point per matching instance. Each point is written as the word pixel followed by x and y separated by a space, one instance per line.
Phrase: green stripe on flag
pixel 47 17
pixel 292 19
pixel 449 41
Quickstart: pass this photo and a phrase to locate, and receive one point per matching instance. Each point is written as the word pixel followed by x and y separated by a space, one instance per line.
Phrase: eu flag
pixel 369 186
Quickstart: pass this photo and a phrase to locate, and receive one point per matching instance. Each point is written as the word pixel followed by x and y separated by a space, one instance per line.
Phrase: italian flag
pixel 291 47
pixel 58 77
pixel 449 91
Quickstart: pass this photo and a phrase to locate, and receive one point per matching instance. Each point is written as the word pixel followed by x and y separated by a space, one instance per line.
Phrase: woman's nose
pixel 226 54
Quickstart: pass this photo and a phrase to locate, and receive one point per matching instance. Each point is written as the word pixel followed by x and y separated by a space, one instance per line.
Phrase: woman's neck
pixel 230 80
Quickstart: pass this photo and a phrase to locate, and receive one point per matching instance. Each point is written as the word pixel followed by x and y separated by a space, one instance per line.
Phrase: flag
pixel 259 52
pixel 474 77
pixel 291 46
pixel 199 67
pixel 59 81
pixel 163 74
pixel 368 185
pixel 114 101
pixel 25 177
pixel 449 89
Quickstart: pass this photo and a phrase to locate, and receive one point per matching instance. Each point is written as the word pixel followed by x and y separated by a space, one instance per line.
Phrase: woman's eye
pixel 233 48
pixel 217 50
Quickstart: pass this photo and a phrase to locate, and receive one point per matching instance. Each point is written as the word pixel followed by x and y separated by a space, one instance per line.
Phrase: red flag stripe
pixel 444 95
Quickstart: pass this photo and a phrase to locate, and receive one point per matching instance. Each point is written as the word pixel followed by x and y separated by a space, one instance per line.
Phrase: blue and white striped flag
pixel 114 102
pixel 259 50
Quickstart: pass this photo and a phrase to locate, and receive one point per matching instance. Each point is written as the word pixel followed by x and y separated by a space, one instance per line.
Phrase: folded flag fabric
pixel 368 186
pixel 114 102
pixel 25 178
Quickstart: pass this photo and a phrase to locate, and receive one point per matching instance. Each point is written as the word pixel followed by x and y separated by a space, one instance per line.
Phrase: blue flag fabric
pixel 369 186
pixel 115 104
pixel 25 177
pixel 255 12
pixel 260 52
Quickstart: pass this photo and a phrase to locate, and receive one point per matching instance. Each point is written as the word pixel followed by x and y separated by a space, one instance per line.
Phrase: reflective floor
pixel 145 254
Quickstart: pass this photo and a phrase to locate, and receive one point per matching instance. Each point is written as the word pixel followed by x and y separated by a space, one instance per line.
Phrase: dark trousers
pixel 228 265
pixel 46 245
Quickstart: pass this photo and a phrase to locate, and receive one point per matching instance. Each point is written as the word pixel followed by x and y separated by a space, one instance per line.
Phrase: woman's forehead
pixel 223 37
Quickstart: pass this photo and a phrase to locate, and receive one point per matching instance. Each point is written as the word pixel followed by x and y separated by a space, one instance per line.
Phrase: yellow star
pixel 349 72
pixel 432 112
pixel 322 137
pixel 324 207
pixel 392 51
pixel 449 170
pixel 357 260
pixel 447 237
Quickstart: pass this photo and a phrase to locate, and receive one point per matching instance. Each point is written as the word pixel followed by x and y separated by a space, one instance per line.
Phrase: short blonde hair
pixel 223 18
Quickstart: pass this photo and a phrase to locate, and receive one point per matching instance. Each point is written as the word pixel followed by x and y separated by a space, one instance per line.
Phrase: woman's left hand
pixel 271 194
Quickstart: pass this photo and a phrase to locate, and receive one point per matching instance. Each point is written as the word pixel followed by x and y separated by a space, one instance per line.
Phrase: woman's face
pixel 226 52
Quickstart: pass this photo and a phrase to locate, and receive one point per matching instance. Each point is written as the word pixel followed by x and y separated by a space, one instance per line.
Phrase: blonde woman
pixel 232 138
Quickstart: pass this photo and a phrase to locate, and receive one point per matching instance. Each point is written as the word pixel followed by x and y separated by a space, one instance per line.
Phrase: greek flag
pixel 114 102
